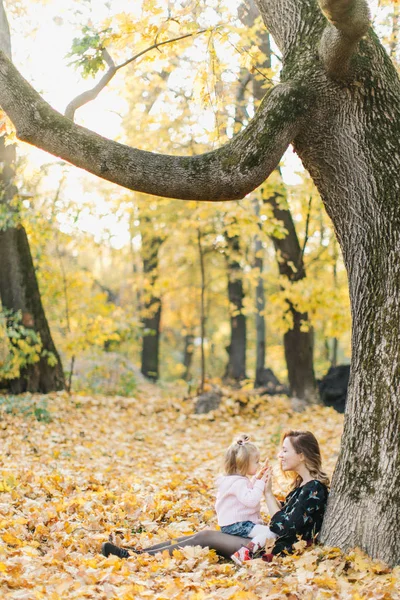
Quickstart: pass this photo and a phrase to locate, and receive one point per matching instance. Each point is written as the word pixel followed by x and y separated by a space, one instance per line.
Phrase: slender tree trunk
pixel 236 367
pixel 188 355
pixel 151 304
pixel 298 340
pixel 202 312
pixel 260 319
pixel 335 341
pixel 260 307
pixel 298 344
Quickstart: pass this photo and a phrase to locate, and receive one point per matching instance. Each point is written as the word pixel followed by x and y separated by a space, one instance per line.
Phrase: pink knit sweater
pixel 238 499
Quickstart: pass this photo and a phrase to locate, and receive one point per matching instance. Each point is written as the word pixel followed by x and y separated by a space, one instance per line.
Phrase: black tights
pixel 224 544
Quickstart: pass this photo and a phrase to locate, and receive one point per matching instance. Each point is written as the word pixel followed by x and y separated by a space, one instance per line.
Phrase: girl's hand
pixel 262 471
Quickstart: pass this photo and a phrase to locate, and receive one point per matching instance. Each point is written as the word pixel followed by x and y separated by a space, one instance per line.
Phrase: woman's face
pixel 290 460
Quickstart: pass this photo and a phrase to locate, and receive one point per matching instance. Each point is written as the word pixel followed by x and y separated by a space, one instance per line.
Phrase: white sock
pixel 260 534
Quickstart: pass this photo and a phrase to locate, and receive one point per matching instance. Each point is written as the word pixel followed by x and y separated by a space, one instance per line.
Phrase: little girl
pixel 238 497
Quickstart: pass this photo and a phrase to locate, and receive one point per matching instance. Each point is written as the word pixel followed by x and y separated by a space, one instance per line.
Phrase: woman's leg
pixel 164 545
pixel 224 544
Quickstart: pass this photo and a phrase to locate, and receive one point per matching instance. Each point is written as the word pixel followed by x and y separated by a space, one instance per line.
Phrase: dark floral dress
pixel 301 516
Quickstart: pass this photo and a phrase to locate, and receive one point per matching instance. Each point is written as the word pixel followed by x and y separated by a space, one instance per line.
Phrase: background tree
pixel 19 290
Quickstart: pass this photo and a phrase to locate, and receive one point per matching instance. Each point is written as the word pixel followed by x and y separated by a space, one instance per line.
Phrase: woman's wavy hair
pixel 238 455
pixel 305 442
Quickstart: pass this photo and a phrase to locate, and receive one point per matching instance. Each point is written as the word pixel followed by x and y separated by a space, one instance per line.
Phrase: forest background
pixel 118 270
pixel 175 291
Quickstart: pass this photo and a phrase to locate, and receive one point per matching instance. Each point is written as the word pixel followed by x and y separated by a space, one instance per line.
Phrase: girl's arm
pixel 250 496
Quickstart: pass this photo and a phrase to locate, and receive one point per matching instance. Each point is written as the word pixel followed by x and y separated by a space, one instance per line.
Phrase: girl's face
pixel 254 464
pixel 290 460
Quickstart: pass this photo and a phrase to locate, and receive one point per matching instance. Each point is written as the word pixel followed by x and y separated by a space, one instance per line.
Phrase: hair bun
pixel 243 439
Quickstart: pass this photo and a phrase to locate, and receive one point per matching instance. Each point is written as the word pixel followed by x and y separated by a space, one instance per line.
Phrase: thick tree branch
pixel 5 41
pixel 92 94
pixel 301 22
pixel 228 173
pixel 349 21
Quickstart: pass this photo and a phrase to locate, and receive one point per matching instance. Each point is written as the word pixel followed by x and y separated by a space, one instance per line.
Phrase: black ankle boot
pixel 108 548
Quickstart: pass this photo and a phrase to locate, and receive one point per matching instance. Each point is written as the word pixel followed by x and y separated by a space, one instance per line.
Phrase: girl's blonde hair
pixel 238 455
pixel 305 442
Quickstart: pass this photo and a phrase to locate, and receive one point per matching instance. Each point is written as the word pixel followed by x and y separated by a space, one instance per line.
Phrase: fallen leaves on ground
pixel 142 470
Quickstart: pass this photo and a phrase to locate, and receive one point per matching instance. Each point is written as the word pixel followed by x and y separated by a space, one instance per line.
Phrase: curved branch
pixel 92 94
pixel 228 173
pixel 349 21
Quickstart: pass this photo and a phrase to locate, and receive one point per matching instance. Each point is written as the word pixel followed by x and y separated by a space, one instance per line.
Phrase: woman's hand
pixel 268 481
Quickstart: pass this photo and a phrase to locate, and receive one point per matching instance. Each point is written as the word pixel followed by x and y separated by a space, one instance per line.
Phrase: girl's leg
pixel 259 535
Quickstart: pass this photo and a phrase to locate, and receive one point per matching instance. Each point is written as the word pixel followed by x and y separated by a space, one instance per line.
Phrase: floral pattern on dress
pixel 301 515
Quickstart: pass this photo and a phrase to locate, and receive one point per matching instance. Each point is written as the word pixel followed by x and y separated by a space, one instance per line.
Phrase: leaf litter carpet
pixel 142 470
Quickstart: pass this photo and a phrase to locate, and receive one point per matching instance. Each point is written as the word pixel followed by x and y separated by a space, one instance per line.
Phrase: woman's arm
pixel 310 500
pixel 272 503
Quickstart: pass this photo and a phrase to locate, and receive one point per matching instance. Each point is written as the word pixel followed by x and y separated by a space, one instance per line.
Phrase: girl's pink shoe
pixel 242 555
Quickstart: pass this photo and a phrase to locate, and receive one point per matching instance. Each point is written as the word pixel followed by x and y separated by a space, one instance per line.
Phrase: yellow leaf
pixel 10 539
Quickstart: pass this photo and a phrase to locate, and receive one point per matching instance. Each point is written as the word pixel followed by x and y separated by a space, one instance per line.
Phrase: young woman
pixel 300 516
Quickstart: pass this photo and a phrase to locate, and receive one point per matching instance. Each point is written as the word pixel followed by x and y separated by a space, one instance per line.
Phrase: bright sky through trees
pixel 42 34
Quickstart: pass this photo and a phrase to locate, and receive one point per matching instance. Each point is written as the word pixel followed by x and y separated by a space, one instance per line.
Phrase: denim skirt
pixel 242 529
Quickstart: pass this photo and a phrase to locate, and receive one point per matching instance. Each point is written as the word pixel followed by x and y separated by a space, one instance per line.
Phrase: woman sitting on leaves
pixel 299 517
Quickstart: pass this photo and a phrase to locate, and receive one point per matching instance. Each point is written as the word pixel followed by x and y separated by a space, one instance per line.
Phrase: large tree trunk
pixel 350 146
pixel 236 367
pixel 151 311
pixel 361 193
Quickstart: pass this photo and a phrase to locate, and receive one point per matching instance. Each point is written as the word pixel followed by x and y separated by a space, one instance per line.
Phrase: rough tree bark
pixel 19 289
pixel 339 104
